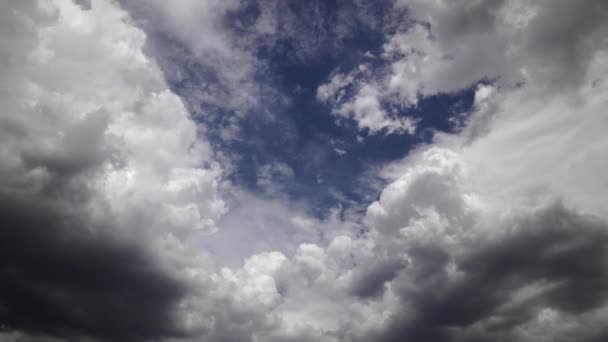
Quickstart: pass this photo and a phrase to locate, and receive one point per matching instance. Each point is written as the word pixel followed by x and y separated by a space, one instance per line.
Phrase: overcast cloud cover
pixel 162 165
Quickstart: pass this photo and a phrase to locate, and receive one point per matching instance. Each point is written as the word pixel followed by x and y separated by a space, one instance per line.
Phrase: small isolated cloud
pixel 340 151
pixel 268 175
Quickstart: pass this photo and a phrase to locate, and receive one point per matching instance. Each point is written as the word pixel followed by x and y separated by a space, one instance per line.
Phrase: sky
pixel 294 171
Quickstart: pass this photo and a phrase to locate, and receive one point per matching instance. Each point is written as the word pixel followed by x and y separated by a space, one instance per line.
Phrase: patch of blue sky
pixel 329 159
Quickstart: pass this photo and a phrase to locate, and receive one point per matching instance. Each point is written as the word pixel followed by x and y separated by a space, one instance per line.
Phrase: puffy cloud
pixel 488 234
pixel 126 136
pixel 353 96
pixel 495 291
pixel 496 222
pixel 444 47
pixel 100 164
pixel 255 280
pixel 428 199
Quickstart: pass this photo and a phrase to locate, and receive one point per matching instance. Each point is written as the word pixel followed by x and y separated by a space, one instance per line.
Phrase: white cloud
pixel 524 148
pixel 433 191
pixel 449 47
pixel 365 106
pixel 91 131
pixel 466 235
pixel 202 37
pixel 124 136
pixel 270 176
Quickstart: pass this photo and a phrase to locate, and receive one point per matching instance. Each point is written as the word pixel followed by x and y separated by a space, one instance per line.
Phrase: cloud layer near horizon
pixel 498 232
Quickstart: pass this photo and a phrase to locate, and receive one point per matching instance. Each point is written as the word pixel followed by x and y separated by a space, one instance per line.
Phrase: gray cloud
pixel 85 209
pixel 445 47
pixel 370 278
pixel 60 278
pixel 559 256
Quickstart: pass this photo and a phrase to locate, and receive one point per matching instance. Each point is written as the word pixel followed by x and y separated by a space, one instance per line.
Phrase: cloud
pixel 544 261
pixel 210 55
pixel 490 253
pixel 486 235
pixel 256 224
pixel 108 188
pixel 463 273
pixel 212 65
pixel 269 176
pixel 60 279
pixel 353 96
pixel 100 165
pixel 222 57
pixel 444 48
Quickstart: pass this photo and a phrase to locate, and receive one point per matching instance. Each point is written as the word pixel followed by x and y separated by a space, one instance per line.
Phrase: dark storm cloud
pixel 369 279
pixel 57 278
pixel 564 254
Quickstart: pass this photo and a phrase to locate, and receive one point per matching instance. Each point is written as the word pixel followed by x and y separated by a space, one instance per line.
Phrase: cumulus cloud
pixel 99 164
pixel 444 47
pixel 484 236
pixel 496 291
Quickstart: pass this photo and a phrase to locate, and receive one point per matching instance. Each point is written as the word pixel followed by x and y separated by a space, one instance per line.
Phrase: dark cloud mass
pixel 561 254
pixel 69 269
pixel 370 279
pixel 59 278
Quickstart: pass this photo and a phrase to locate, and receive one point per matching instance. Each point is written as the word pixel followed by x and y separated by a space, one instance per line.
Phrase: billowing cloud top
pixel 156 162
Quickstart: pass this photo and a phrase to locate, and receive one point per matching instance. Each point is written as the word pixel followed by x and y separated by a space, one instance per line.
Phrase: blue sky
pixel 332 161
